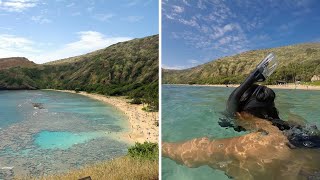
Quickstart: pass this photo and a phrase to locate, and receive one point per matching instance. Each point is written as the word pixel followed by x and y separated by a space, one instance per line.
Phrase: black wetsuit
pixel 298 136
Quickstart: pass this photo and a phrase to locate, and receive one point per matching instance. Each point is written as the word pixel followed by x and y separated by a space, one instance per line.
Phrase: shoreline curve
pixel 142 124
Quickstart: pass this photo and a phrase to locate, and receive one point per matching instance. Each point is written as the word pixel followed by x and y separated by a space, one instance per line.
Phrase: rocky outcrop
pixel 37 105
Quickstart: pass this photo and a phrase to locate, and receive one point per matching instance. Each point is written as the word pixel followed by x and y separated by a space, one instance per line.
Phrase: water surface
pixel 193 111
pixel 70 131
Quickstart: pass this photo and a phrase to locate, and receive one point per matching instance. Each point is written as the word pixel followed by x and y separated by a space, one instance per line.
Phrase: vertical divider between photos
pixel 160 84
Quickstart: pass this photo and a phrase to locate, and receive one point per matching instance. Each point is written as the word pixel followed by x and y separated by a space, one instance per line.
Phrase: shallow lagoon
pixel 71 131
pixel 193 111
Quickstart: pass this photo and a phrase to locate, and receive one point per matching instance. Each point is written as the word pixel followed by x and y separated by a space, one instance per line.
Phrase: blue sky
pixel 45 30
pixel 198 31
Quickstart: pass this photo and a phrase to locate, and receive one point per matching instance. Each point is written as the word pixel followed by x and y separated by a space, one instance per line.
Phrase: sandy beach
pixel 142 124
pixel 285 86
pixel 293 86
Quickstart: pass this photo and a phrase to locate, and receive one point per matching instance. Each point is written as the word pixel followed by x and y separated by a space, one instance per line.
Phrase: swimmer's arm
pixel 192 153
pixel 201 151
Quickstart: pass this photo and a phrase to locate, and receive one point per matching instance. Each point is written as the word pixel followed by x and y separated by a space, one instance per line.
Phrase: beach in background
pixel 143 125
pixel 282 86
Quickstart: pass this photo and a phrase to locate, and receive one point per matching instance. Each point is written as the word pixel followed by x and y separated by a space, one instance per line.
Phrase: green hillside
pixel 127 68
pixel 296 62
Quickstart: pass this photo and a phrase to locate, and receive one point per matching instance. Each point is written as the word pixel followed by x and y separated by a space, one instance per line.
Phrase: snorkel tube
pixel 264 69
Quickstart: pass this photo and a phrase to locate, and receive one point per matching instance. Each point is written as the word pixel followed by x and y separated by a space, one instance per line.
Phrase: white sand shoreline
pixel 143 124
pixel 286 86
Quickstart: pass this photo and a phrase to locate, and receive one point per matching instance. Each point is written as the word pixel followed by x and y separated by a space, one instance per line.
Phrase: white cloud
pixel 201 4
pixel 174 67
pixel 228 38
pixel 193 61
pixel 103 17
pixel 190 63
pixel 6 28
pixel 177 9
pixel 70 5
pixel 225 40
pixel 302 12
pixel 89 41
pixel 193 21
pixel 186 2
pixel 218 27
pixel 169 16
pixel 90 9
pixel 133 18
pixel 178 67
pixel 147 2
pixel 175 35
pixel 132 3
pixel 17 5
pixel 261 37
pixel 289 25
pixel 40 19
pixel 232 41
pixel 11 46
pixel 76 14
pixel 92 40
pixel 11 42
pixel 221 31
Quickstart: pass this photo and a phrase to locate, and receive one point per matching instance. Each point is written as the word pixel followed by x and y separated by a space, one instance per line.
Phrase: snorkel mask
pixel 263 70
pixel 261 99
pixel 266 67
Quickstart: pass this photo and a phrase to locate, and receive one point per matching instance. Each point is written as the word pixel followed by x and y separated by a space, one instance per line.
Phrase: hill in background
pixel 296 62
pixel 127 68
pixel 7 63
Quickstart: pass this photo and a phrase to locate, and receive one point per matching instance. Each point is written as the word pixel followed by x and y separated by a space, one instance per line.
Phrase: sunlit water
pixel 191 111
pixel 70 131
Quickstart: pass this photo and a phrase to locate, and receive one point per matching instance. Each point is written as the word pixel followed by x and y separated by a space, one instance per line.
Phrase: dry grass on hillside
pixel 121 168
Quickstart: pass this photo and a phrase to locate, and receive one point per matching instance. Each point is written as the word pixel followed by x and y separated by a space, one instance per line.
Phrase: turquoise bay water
pixel 69 132
pixel 63 140
pixel 193 111
pixel 9 111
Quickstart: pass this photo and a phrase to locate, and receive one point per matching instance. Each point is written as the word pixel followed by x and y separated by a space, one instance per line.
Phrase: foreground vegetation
pixel 128 68
pixel 296 63
pixel 140 163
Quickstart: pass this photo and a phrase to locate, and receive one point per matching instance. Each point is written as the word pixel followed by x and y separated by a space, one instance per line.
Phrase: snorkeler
pixel 266 152
pixel 258 100
pixel 261 73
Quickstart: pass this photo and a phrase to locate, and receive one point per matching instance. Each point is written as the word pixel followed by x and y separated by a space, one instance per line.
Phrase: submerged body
pixel 262 154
